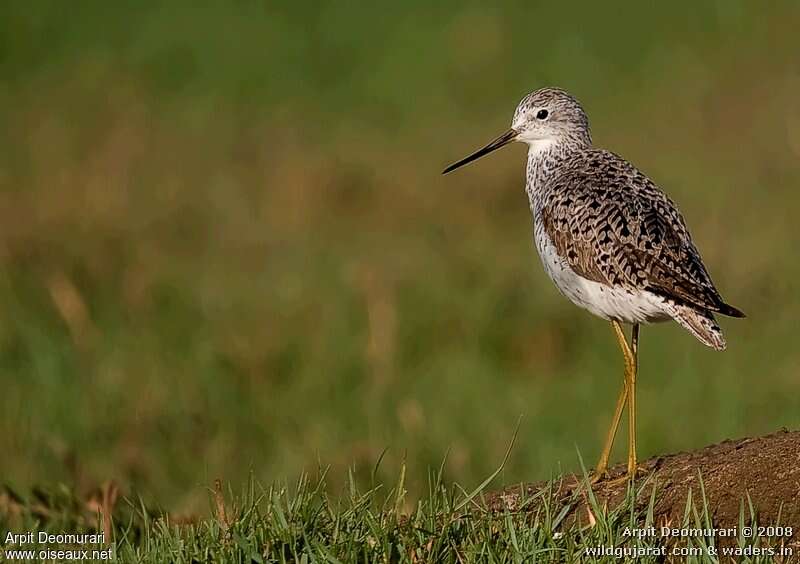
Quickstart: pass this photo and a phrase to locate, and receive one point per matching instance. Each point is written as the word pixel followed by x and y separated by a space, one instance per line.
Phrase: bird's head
pixel 550 115
pixel 543 118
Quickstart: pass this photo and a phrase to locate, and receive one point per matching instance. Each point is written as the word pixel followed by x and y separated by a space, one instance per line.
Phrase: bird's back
pixel 613 226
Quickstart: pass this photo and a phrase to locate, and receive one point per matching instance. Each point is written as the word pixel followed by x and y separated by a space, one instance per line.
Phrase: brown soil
pixel 767 469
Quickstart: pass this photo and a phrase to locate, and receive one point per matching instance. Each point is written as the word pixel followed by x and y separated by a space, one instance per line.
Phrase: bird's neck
pixel 544 159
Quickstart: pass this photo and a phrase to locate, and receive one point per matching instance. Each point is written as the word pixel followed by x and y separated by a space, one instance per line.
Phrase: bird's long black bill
pixel 501 141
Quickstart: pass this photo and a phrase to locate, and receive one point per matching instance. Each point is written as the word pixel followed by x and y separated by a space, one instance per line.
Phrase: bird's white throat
pixel 538 146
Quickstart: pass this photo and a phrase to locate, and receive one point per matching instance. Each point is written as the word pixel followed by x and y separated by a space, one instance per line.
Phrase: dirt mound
pixel 767 469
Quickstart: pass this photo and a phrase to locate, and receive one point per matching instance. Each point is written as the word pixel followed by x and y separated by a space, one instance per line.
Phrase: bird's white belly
pixel 608 302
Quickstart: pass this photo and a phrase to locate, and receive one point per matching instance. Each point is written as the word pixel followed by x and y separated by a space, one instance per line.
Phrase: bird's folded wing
pixel 615 227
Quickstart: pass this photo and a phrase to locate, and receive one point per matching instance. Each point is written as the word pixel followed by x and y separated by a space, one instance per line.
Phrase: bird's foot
pixel 603 478
pixel 598 477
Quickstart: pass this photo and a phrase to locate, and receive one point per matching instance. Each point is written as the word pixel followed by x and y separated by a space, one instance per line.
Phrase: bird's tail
pixel 701 324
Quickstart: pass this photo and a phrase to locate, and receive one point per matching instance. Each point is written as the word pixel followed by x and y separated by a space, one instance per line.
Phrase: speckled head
pixel 551 115
pixel 544 118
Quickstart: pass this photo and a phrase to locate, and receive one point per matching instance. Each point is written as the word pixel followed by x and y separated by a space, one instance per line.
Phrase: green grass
pixel 226 249
pixel 303 523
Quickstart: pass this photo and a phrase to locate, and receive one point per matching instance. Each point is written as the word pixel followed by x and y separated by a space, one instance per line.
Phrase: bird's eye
pixel 541 114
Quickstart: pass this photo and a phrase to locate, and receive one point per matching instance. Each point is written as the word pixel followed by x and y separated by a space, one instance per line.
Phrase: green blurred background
pixel 226 246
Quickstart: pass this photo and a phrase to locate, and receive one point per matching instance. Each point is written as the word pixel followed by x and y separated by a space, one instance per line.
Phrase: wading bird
pixel 609 238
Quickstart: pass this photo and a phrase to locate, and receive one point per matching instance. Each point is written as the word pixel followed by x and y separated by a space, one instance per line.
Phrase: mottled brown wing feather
pixel 579 253
pixel 614 226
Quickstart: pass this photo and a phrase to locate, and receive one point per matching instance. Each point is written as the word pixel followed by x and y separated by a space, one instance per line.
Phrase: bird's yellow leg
pixel 630 385
pixel 633 370
pixel 601 469
pixel 630 361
